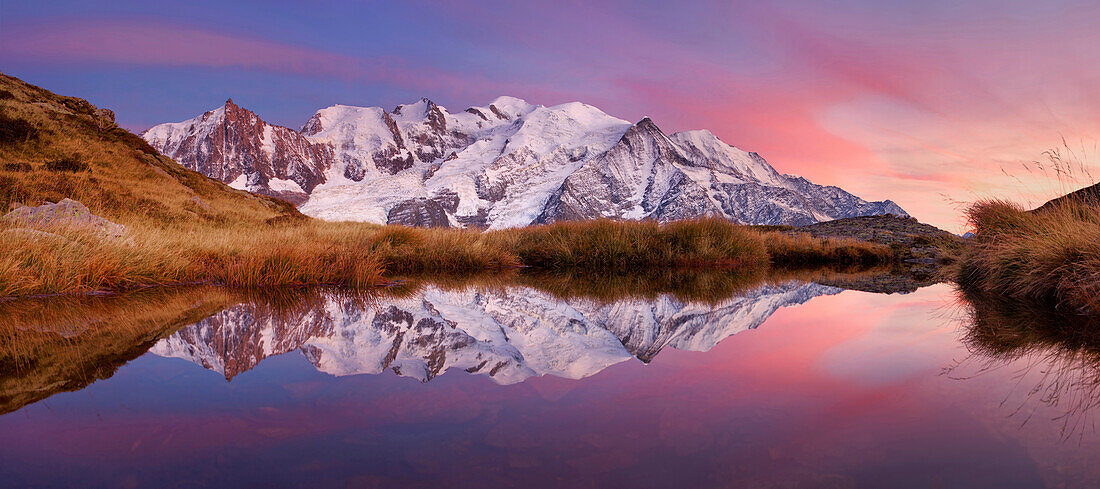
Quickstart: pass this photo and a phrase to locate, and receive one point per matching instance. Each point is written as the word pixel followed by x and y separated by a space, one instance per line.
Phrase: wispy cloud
pixel 148 43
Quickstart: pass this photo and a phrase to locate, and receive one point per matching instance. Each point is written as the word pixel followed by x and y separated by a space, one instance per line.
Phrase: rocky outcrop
pixel 66 214
pixel 922 248
pixel 419 212
pixel 233 145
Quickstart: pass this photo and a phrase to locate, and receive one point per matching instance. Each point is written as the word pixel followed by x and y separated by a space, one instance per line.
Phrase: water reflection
pixel 840 391
pixel 507 326
pixel 508 334
pixel 65 343
pixel 1054 354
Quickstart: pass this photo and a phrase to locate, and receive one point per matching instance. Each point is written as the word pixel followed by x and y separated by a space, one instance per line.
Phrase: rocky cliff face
pixel 508 335
pixel 235 146
pixel 505 164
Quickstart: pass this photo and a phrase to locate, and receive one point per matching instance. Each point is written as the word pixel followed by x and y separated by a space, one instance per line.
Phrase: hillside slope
pixel 54 147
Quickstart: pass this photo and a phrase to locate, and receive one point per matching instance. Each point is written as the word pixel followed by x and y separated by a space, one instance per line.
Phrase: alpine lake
pixel 674 379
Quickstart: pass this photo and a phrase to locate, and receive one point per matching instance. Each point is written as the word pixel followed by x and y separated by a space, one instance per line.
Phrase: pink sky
pixel 930 106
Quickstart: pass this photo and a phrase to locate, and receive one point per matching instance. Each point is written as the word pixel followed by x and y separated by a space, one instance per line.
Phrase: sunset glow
pixel 925 105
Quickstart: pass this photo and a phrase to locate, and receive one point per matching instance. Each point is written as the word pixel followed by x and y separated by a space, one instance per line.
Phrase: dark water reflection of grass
pixel 1057 354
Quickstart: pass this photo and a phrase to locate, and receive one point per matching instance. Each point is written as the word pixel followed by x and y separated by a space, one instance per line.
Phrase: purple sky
pixel 926 103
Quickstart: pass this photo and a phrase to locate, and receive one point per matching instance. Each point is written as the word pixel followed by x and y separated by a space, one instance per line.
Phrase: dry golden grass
pixel 65 261
pixel 618 245
pixel 1051 255
pixel 803 250
pixel 125 179
pixel 314 252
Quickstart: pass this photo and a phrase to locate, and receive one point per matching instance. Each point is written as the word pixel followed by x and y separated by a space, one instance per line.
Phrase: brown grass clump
pixel 1051 256
pixel 803 250
pixel 606 244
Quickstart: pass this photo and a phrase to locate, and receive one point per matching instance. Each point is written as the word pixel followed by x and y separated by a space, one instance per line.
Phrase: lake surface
pixel 783 384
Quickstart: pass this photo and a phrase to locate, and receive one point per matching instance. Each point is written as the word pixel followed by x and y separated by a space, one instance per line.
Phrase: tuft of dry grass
pixel 625 245
pixel 1051 255
pixel 803 250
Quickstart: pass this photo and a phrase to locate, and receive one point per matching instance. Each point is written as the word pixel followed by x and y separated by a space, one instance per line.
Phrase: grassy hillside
pixel 52 147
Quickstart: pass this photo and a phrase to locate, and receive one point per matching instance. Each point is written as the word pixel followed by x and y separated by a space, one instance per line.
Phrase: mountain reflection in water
pixel 836 389
pixel 508 334
pixel 507 327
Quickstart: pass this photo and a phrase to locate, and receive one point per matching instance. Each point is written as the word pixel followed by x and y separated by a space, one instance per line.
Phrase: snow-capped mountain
pixel 506 164
pixel 509 335
pixel 235 146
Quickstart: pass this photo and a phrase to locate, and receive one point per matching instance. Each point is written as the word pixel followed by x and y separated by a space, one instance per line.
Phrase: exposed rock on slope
pixel 506 164
pixel 419 212
pixel 67 213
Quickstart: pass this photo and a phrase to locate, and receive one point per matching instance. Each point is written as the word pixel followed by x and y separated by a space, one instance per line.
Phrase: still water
pixel 784 384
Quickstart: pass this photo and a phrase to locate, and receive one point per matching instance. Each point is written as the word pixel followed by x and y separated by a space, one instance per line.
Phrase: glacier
pixel 506 164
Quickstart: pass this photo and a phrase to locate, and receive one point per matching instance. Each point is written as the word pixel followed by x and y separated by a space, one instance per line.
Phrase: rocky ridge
pixel 506 164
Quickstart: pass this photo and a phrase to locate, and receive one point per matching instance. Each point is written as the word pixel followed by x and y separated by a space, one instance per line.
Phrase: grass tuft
pixel 1051 255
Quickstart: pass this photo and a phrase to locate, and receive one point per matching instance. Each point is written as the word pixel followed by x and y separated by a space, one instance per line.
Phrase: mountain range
pixel 506 164
pixel 508 334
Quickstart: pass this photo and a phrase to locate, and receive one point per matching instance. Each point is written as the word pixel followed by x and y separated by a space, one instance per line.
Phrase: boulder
pixel 419 212
pixel 68 214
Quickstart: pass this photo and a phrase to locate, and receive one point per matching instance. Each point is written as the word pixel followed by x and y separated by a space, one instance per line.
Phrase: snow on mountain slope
pixel 505 164
pixel 508 335
pixel 639 177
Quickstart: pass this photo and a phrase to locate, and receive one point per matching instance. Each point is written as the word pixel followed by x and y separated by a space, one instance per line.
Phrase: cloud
pixel 133 42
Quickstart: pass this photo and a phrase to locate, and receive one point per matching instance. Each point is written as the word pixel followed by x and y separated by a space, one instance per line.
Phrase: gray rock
pixel 448 199
pixel 67 214
pixel 201 203
pixel 419 212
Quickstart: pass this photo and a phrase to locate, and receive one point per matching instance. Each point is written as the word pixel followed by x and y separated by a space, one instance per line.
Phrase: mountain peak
pixel 699 134
pixel 416 109
pixel 502 165
pixel 508 101
pixel 646 124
